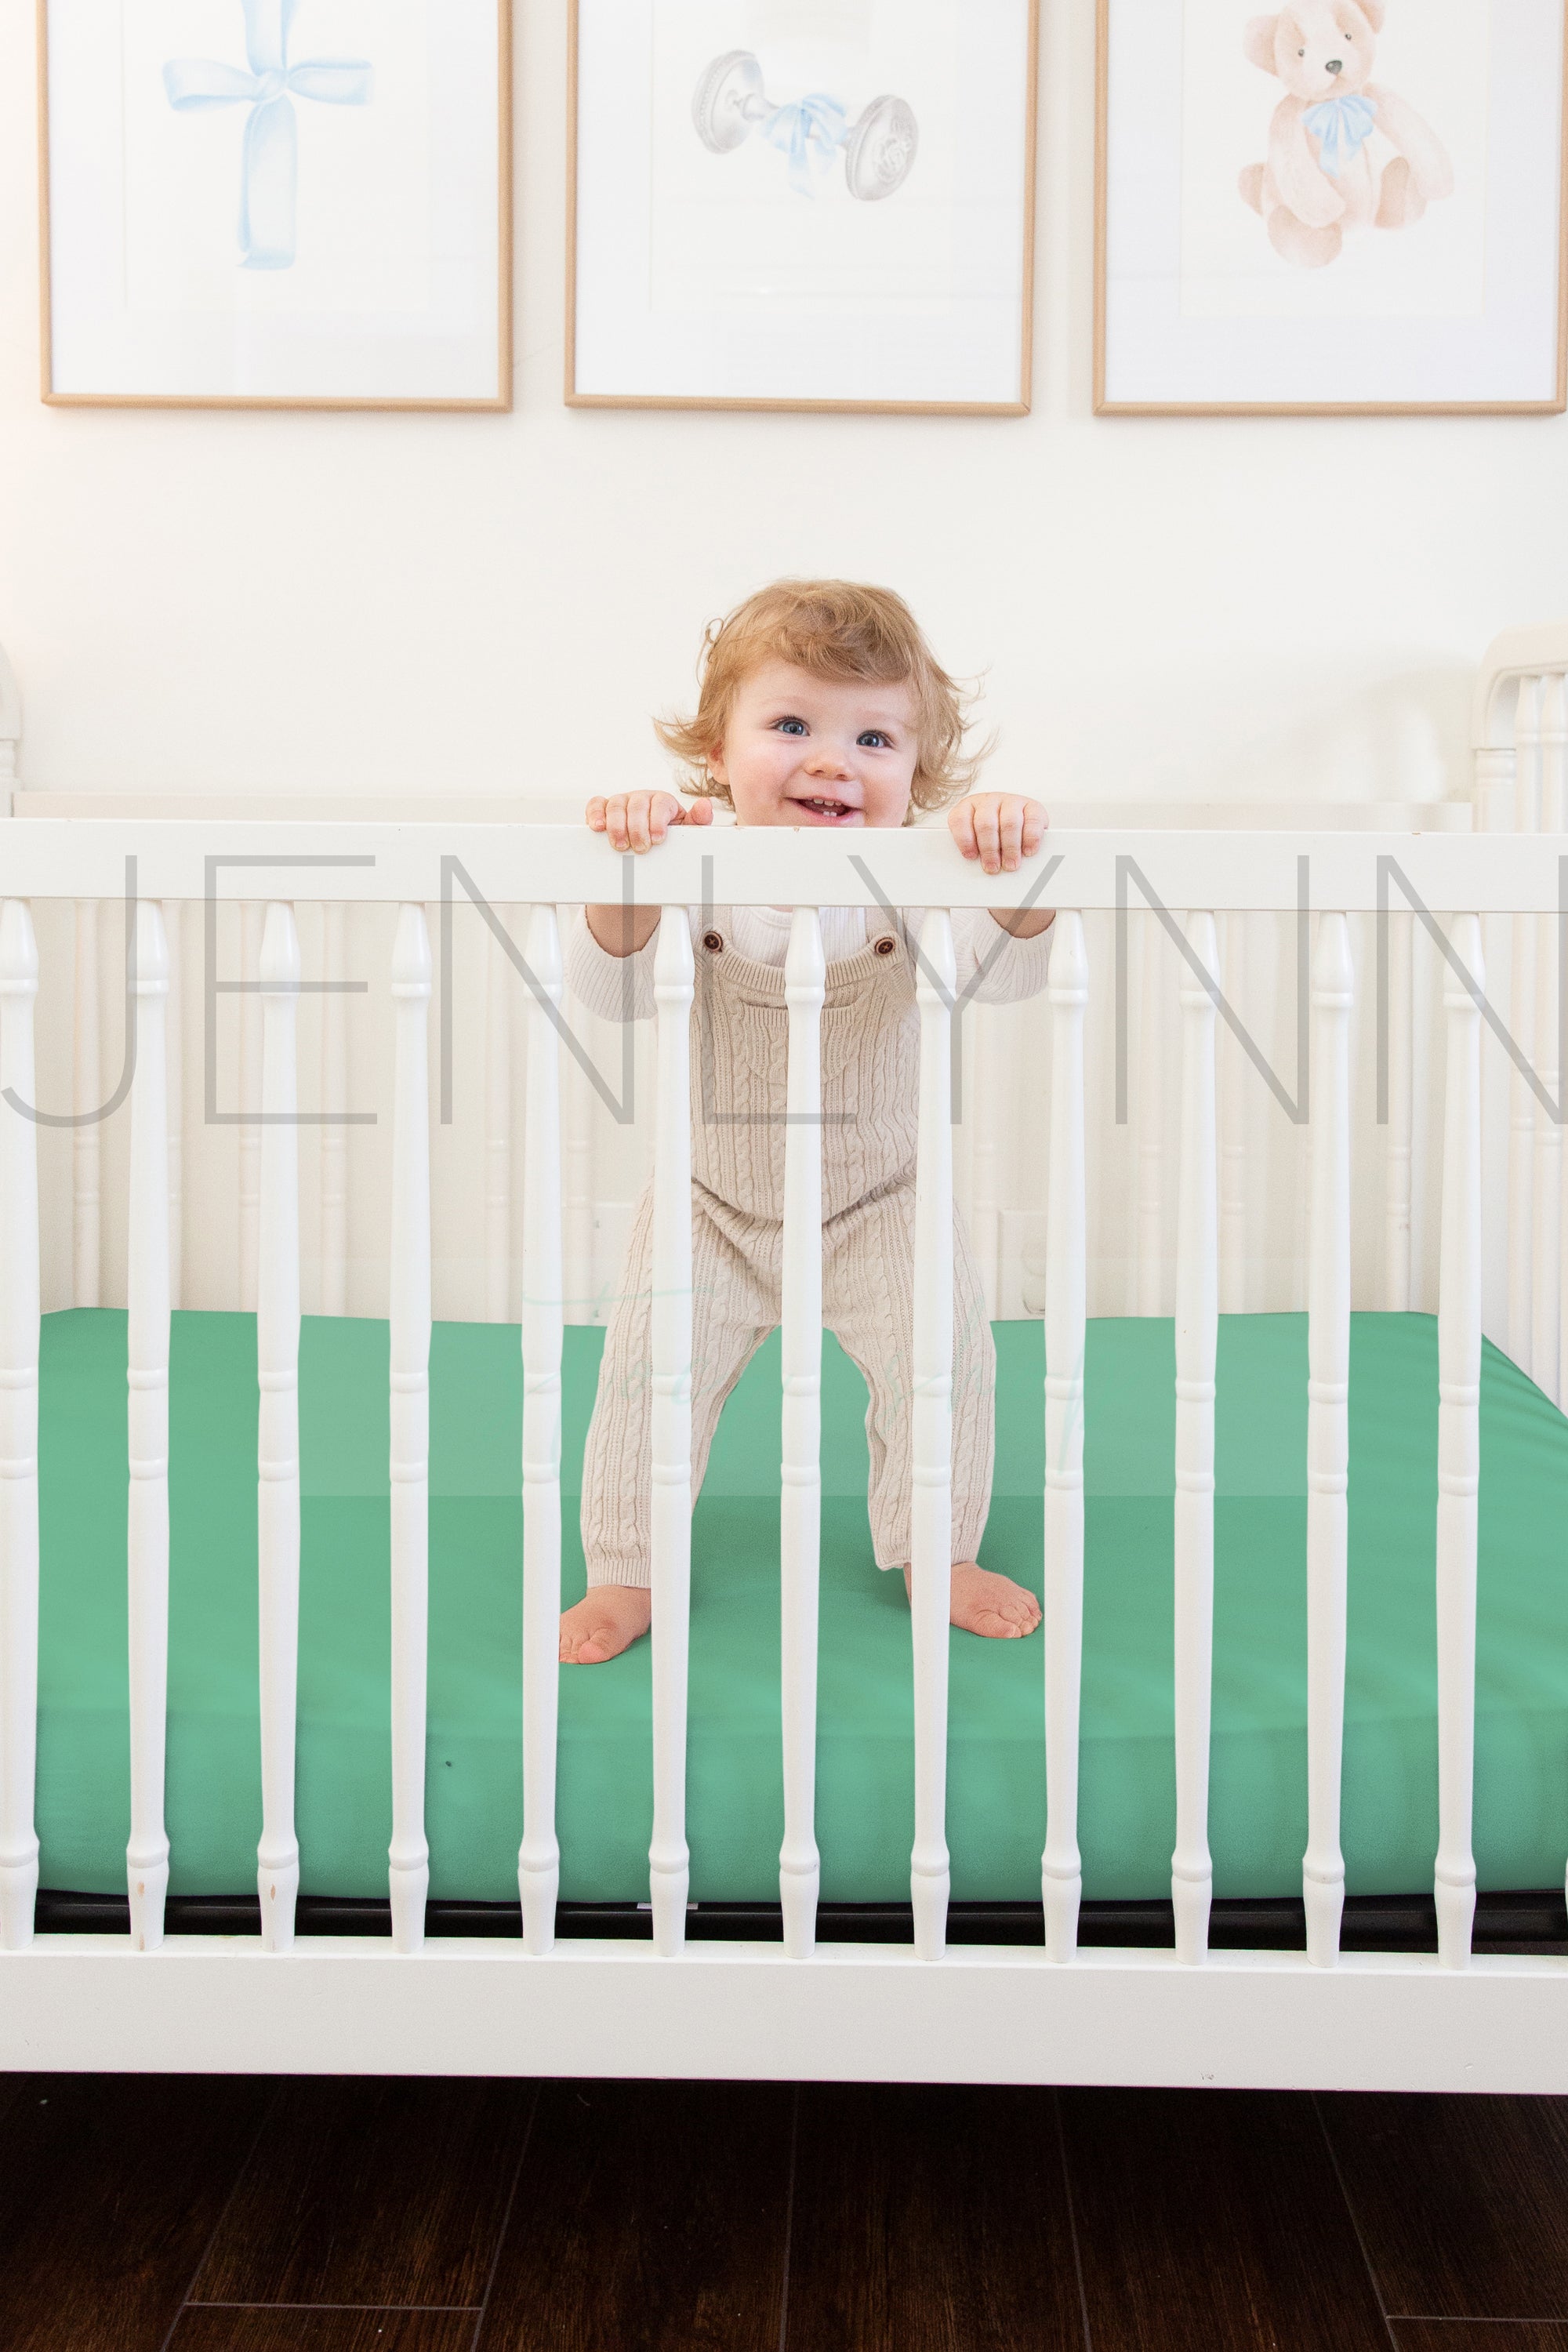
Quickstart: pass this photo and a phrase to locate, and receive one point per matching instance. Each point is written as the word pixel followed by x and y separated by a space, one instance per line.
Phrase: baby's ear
pixel 1258 42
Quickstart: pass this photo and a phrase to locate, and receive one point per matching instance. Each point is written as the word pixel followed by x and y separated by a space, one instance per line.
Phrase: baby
pixel 821 705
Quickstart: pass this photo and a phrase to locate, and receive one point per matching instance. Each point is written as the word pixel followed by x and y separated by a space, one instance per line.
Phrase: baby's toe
pixel 577 1640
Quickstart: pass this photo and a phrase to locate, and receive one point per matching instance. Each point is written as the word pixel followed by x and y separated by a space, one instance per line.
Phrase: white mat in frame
pixel 1196 311
pixel 846 223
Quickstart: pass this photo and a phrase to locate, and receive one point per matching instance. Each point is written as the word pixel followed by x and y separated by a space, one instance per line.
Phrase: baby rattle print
pixel 878 149
pixel 1325 172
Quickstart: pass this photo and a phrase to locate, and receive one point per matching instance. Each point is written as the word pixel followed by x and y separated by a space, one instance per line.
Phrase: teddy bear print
pixel 1322 175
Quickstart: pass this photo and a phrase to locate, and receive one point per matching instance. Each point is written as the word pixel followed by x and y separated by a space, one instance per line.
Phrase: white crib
pixel 932 2010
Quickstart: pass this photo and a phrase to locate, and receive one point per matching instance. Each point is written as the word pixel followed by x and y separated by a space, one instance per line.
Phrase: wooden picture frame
pixel 1121 389
pixel 488 371
pixel 1015 400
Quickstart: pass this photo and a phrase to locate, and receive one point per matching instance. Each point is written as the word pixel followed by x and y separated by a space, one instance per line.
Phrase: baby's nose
pixel 1334 65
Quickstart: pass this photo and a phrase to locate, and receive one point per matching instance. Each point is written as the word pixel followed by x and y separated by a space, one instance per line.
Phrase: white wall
pixel 413 602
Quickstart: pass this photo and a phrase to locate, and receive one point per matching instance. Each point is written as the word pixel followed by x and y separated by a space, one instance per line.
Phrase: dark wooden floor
pixel 167 2215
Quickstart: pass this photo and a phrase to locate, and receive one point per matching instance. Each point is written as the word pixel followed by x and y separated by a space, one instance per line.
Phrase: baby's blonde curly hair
pixel 837 629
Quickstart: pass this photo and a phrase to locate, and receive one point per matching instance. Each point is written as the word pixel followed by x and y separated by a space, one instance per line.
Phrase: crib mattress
pixel 996 1780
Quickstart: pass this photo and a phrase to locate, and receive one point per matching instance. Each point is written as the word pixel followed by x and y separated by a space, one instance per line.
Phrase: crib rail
pixel 369 863
pixel 1450 882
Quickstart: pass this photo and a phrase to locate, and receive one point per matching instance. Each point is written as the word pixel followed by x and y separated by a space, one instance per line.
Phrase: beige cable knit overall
pixel 870 1080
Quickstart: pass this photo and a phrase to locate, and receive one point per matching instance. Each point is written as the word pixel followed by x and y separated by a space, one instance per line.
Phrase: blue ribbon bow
pixel 1342 126
pixel 270 159
pixel 811 133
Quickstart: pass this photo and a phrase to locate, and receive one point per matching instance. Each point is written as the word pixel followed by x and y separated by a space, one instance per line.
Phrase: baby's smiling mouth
pixel 822 806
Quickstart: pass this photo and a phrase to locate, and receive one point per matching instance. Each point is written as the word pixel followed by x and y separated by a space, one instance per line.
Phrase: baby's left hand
pixel 999 828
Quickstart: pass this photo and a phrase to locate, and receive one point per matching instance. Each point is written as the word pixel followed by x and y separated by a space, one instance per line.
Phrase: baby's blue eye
pixel 792 726
pixel 874 735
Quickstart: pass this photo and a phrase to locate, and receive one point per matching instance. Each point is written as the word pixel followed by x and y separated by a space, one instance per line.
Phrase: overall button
pixel 714 941
pixel 886 947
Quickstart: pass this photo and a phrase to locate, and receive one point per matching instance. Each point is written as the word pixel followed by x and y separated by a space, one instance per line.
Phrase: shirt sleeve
pixel 994 968
pixel 617 988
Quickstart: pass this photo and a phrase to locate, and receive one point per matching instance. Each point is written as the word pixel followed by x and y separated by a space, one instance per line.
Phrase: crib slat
pixel 1302 1240
pixel 1233 1127
pixel 409 1855
pixel 1547 1233
pixel 988 1110
pixel 18 1432
pixel 1459 1448
pixel 1328 1433
pixel 1522 1024
pixel 86 1093
pixel 1150 1051
pixel 1067 1244
pixel 577 1209
pixel 174 914
pixel 277 1425
pixel 333 1166
pixel 250 1133
pixel 931 1523
pixel 1197 1322
pixel 1399 1164
pixel 1551 1029
pixel 1491 794
pixel 539 1856
pixel 147 1431
pixel 670 1520
pixel 498 1127
pixel 800 1491
pixel 1555 811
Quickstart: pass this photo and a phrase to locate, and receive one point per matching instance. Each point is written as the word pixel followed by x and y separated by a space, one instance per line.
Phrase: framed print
pixel 275 204
pixel 801 203
pixel 1345 206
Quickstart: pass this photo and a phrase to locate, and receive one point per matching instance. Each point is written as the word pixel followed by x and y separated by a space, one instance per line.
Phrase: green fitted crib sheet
pixel 996 1774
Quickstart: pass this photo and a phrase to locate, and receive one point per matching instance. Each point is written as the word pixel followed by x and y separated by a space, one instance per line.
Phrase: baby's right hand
pixel 638 821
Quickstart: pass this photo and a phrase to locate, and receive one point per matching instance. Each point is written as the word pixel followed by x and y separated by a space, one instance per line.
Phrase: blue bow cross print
pixel 811 133
pixel 1342 126
pixel 270 159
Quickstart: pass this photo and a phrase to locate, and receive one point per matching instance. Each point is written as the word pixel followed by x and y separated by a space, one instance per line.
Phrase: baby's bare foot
pixel 609 1620
pixel 992 1605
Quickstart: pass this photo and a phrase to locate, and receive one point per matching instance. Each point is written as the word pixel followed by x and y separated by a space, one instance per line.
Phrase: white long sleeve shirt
pixel 993 966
